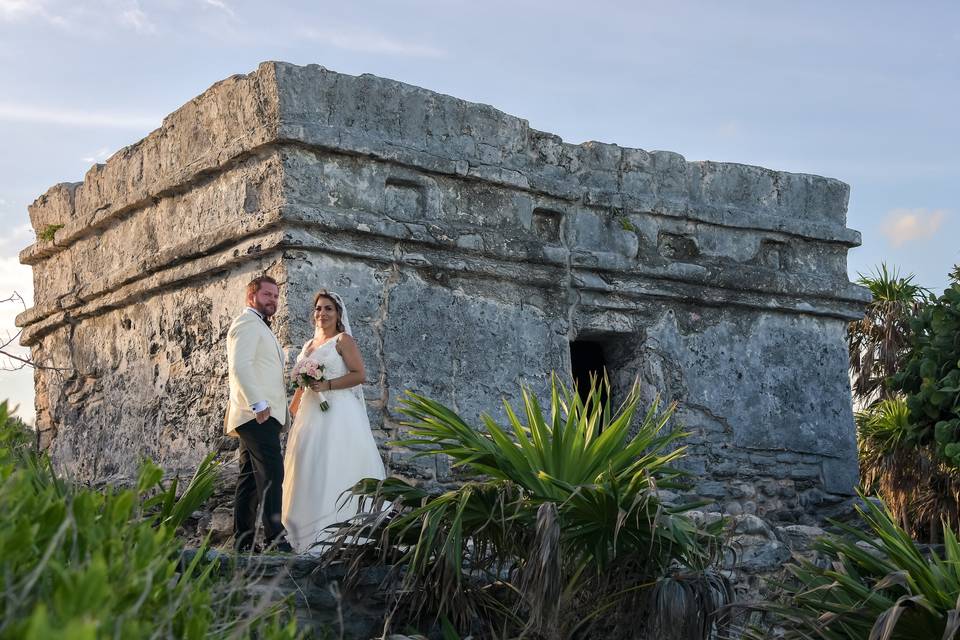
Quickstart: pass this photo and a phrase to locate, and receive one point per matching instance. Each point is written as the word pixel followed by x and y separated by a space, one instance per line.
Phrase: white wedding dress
pixel 327 453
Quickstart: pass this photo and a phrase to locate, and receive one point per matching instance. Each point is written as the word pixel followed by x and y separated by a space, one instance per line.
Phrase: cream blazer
pixel 255 360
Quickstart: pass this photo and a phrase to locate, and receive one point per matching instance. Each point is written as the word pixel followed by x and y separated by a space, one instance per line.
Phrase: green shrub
pixel 918 487
pixel 930 378
pixel 558 529
pixel 878 584
pixel 49 232
pixel 78 563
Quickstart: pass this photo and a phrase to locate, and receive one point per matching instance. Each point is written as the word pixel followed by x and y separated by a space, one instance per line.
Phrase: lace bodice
pixel 327 355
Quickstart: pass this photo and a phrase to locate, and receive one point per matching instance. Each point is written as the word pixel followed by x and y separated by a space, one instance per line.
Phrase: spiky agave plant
pixel 558 522
pixel 879 585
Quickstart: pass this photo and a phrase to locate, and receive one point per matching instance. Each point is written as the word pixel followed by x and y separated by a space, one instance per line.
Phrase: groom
pixel 256 413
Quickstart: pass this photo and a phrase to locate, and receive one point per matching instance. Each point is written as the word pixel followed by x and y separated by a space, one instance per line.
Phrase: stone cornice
pixel 283 103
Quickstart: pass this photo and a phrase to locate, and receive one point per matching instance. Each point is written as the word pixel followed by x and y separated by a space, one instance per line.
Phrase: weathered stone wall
pixel 471 251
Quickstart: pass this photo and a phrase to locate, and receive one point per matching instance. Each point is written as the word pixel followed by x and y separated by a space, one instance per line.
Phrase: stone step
pixel 317 592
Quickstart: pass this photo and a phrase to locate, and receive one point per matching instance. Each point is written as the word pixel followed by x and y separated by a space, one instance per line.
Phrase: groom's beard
pixel 266 311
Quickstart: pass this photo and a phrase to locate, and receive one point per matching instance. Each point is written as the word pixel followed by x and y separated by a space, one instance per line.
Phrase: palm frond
pixel 879 584
pixel 555 500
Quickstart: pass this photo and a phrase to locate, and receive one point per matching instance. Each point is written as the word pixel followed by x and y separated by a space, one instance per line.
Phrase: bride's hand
pixel 316 385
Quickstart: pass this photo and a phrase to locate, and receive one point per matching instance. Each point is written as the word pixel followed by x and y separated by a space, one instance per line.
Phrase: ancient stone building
pixel 473 251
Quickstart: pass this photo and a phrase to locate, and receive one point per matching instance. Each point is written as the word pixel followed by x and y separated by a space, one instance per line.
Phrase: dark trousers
pixel 260 480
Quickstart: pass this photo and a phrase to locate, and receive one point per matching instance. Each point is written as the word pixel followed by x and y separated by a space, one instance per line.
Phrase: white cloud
pixel 18 392
pixel 15 386
pixel 11 243
pixel 102 154
pixel 907 225
pixel 16 277
pixel 222 6
pixel 16 10
pixel 133 16
pixel 19 9
pixel 46 115
pixel 369 42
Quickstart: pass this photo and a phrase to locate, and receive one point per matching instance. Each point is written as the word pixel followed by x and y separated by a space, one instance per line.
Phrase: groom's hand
pixel 263 416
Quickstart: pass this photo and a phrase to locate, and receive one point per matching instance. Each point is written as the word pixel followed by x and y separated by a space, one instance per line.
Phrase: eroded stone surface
pixel 754 560
pixel 471 250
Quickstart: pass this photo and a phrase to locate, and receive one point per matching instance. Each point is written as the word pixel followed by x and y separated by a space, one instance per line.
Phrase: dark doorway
pixel 587 360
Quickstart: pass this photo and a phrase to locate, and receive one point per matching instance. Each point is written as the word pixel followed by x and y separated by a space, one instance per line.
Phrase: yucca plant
pixel 879 342
pixel 557 523
pixel 879 585
pixel 917 486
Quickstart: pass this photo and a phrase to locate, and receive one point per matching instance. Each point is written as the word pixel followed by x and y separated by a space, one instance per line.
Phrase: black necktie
pixel 266 321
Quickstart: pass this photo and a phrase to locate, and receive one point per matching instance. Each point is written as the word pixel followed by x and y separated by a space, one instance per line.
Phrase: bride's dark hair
pixel 323 293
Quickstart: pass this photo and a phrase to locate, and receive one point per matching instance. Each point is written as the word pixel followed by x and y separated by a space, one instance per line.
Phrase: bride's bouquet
pixel 305 373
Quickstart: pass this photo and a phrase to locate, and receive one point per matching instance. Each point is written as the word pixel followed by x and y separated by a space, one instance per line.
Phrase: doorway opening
pixel 588 362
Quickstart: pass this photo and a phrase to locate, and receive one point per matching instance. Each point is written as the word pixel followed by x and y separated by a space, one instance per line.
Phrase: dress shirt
pixel 259 406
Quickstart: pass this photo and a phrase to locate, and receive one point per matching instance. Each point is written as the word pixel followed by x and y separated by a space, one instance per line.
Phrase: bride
pixel 328 451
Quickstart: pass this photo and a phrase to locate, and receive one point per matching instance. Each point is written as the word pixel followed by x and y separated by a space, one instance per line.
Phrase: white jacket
pixel 256 364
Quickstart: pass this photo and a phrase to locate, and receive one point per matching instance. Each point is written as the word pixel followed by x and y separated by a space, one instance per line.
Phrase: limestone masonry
pixel 473 252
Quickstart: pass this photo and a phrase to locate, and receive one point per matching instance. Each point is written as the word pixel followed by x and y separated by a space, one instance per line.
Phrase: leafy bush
pixel 917 486
pixel 931 375
pixel 878 584
pixel 558 531
pixel 77 563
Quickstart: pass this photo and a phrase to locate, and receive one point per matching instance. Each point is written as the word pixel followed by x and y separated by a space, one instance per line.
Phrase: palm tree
pixel 879 342
pixel 918 488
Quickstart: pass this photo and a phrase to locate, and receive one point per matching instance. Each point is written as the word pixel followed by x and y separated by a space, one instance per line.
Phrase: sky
pixel 866 92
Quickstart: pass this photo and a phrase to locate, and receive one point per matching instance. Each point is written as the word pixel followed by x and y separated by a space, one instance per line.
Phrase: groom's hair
pixel 256 283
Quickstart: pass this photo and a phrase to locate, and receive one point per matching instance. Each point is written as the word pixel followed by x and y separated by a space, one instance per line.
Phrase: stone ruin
pixel 473 252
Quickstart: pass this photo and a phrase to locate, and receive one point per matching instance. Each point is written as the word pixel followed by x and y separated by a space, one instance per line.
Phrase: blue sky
pixel 866 92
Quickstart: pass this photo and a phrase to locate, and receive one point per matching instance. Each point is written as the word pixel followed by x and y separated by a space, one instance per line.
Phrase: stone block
pixel 752 525
pixel 800 537
pixel 758 554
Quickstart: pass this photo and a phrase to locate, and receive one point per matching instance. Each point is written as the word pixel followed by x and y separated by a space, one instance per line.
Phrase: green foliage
pixel 878 343
pixel 918 488
pixel 78 563
pixel 557 525
pixel 884 428
pixel 49 232
pixel 878 584
pixel 930 378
